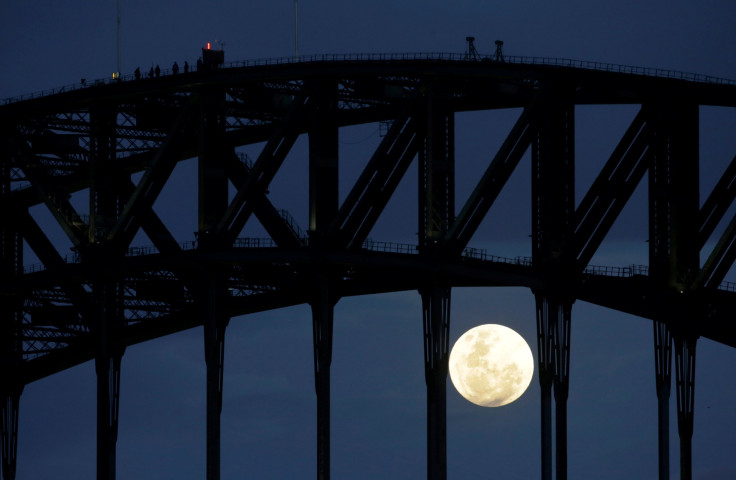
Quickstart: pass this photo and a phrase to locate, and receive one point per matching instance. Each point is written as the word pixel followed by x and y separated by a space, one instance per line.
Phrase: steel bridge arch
pixel 119 142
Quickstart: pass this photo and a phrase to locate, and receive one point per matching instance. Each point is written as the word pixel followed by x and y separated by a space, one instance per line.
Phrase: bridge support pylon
pixel 107 367
pixel 685 378
pixel 546 379
pixel 215 322
pixel 213 203
pixel 9 410
pixel 662 364
pixel 107 318
pixel 674 263
pixel 323 208
pixel 553 247
pixel 436 316
pixel 436 213
pixel 323 307
pixel 11 320
pixel 553 347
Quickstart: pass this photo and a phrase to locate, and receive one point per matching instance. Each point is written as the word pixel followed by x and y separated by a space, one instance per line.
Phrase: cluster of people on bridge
pixel 210 59
pixel 155 72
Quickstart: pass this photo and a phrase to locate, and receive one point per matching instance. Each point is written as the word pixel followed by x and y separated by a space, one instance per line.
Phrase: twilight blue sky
pixel 378 407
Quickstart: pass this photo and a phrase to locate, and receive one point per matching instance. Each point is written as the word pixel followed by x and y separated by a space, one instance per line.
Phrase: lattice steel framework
pixel 119 144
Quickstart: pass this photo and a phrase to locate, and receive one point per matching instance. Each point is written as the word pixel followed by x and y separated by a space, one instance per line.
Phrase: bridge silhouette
pixel 117 142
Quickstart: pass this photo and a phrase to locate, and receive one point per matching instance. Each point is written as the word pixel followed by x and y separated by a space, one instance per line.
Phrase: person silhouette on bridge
pixel 175 68
pixel 186 66
pixel 137 73
pixel 158 71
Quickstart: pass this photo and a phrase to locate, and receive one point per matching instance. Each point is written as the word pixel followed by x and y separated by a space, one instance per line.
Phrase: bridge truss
pixel 118 143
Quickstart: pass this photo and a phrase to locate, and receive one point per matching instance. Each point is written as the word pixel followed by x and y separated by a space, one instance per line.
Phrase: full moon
pixel 491 365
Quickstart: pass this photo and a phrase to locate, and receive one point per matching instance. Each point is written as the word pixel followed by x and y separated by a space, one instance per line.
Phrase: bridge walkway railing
pixel 469 254
pixel 405 57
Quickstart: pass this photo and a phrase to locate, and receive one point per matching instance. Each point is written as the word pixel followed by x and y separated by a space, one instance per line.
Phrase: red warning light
pixel 212 58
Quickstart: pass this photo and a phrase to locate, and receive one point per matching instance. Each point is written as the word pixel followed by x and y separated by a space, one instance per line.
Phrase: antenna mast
pixel 296 30
pixel 118 70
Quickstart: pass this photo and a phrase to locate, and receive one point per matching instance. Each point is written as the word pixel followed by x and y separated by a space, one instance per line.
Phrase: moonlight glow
pixel 491 365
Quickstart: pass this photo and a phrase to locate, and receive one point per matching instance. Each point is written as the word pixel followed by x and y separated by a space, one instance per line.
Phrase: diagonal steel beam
pixel 384 194
pixel 152 225
pixel 720 260
pixel 56 201
pixel 50 257
pixel 610 191
pixel 265 168
pixel 718 202
pixel 371 192
pixel 153 181
pixel 275 224
pixel 491 183
pixel 38 241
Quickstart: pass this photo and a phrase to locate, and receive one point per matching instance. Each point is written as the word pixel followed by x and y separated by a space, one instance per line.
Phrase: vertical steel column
pixel 436 213
pixel 659 273
pixel 323 159
pixel 103 199
pixel 107 367
pixel 674 201
pixel 436 172
pixel 322 320
pixel 213 201
pixel 323 207
pixel 684 147
pixel 674 253
pixel 9 410
pixel 662 366
pixel 561 347
pixel 11 320
pixel 685 374
pixel 436 322
pixel 546 378
pixel 107 299
pixel 553 344
pixel 553 191
pixel 215 322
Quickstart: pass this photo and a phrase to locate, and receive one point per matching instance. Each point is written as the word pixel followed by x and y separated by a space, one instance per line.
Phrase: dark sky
pixel 378 407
